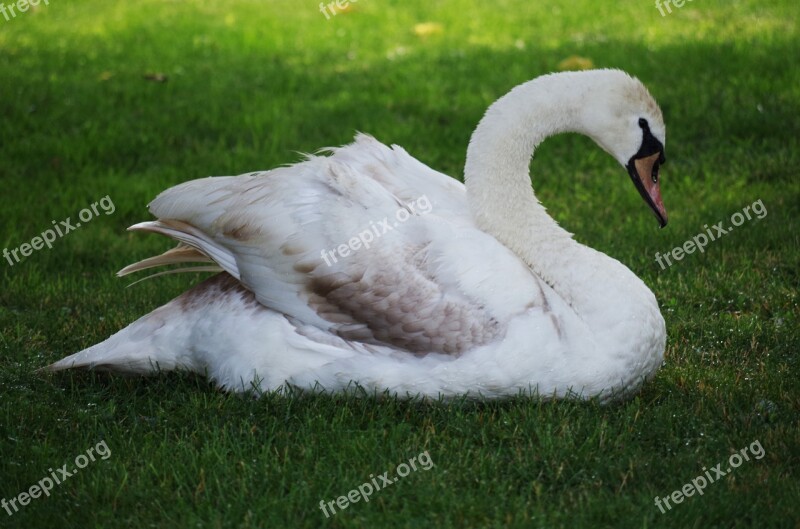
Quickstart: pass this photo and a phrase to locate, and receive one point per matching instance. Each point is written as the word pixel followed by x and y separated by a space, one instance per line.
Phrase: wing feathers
pixel 180 254
pixel 193 237
pixel 334 244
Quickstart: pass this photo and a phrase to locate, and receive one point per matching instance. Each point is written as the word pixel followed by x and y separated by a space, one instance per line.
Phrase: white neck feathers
pixel 499 186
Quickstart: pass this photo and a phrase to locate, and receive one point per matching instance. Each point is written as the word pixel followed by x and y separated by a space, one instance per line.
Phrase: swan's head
pixel 628 124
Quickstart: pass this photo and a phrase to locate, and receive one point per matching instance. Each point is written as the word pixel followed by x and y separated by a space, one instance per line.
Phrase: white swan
pixel 463 289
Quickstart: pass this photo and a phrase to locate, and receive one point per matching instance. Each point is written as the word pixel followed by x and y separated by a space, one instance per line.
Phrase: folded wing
pixel 368 244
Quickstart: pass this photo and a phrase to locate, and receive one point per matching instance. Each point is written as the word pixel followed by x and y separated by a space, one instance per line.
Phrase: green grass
pixel 251 83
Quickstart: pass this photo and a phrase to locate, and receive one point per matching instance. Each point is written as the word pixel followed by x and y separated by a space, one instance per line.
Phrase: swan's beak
pixel 644 173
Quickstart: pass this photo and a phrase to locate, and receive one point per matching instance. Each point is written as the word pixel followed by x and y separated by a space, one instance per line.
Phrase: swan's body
pixel 472 290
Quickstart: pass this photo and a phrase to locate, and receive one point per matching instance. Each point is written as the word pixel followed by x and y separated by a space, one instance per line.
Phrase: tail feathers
pixel 195 246
pixel 158 340
pixel 180 254
pixel 141 348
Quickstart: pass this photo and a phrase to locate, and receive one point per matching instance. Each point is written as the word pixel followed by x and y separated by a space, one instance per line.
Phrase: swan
pixel 466 289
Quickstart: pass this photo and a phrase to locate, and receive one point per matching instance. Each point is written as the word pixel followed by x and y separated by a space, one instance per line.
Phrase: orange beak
pixel 644 173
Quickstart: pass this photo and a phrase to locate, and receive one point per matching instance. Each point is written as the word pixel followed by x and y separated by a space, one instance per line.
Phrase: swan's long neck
pixel 626 329
pixel 502 200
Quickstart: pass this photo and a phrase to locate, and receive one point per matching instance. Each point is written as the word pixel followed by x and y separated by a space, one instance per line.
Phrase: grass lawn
pixel 244 85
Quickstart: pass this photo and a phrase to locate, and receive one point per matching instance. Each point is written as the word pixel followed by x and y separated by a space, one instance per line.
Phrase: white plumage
pixel 479 292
